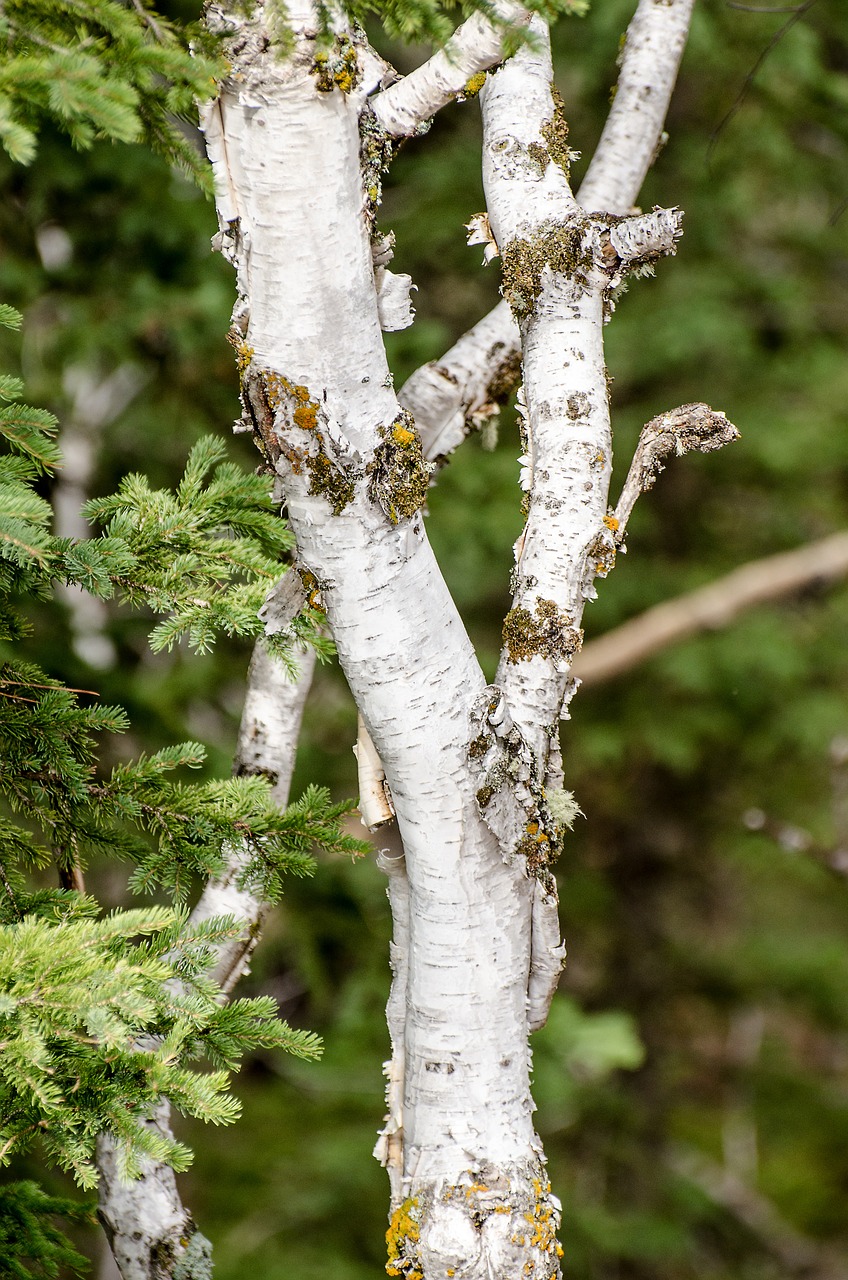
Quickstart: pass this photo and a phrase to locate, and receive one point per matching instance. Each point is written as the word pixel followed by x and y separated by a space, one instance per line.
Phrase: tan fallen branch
pixel 712 607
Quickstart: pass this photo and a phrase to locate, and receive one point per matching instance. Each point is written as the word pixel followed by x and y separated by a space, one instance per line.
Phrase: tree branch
pixel 449 398
pixel 796 1253
pixel 449 395
pixel 711 607
pixel 145 1220
pixel 692 426
pixel 406 106
pixel 632 134
pixel 559 269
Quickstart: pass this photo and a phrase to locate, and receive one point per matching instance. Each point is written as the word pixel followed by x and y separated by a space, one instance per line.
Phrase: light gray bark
pixel 316 384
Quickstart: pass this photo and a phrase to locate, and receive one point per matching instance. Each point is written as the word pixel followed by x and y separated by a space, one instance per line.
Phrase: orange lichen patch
pixel 401 434
pixel 306 416
pixel 544 1221
pixel 611 523
pixel 402 1239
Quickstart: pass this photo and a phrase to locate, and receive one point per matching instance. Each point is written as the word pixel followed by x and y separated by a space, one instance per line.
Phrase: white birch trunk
pixel 473 771
pixel 470 1195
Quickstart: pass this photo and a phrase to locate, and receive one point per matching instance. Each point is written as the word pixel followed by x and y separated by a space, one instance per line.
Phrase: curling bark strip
pixel 295 223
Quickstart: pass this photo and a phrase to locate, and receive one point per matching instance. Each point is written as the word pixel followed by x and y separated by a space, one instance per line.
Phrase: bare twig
pixel 692 426
pixel 799 1255
pixel 747 83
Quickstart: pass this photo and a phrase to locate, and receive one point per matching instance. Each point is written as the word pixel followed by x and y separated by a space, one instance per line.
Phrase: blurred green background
pixel 692 1084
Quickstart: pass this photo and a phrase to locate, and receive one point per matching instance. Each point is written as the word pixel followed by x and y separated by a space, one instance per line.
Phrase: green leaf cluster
pixel 204 556
pixel 174 832
pixel 100 69
pixel 103 1018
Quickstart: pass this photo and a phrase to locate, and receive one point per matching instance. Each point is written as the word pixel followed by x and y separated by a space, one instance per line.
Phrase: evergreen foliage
pixel 101 1018
pixel 99 69
pixel 31 1247
pixel 190 549
pixel 435 20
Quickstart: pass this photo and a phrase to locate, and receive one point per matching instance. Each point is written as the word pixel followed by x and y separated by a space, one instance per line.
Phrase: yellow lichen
pixel 474 85
pixel 399 476
pixel 611 523
pixel 401 434
pixel 338 68
pixel 402 1239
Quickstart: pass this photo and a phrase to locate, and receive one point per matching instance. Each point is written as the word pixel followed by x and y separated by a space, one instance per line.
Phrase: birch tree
pixel 299 135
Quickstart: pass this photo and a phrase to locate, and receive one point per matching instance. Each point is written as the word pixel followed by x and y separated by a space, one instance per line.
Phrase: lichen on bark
pixel 337 67
pixel 546 632
pixel 398 475
pixel 562 248
pixel 555 133
pixel 489 1222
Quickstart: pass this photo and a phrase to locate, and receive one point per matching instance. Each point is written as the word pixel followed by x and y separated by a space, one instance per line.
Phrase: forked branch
pixel 455 71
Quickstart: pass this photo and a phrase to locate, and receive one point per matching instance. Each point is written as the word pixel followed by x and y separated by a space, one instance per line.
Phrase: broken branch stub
pixel 691 426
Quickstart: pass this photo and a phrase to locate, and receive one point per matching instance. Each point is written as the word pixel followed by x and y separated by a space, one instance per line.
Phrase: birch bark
pixel 448 396
pixel 470 1195
pixel 297 144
